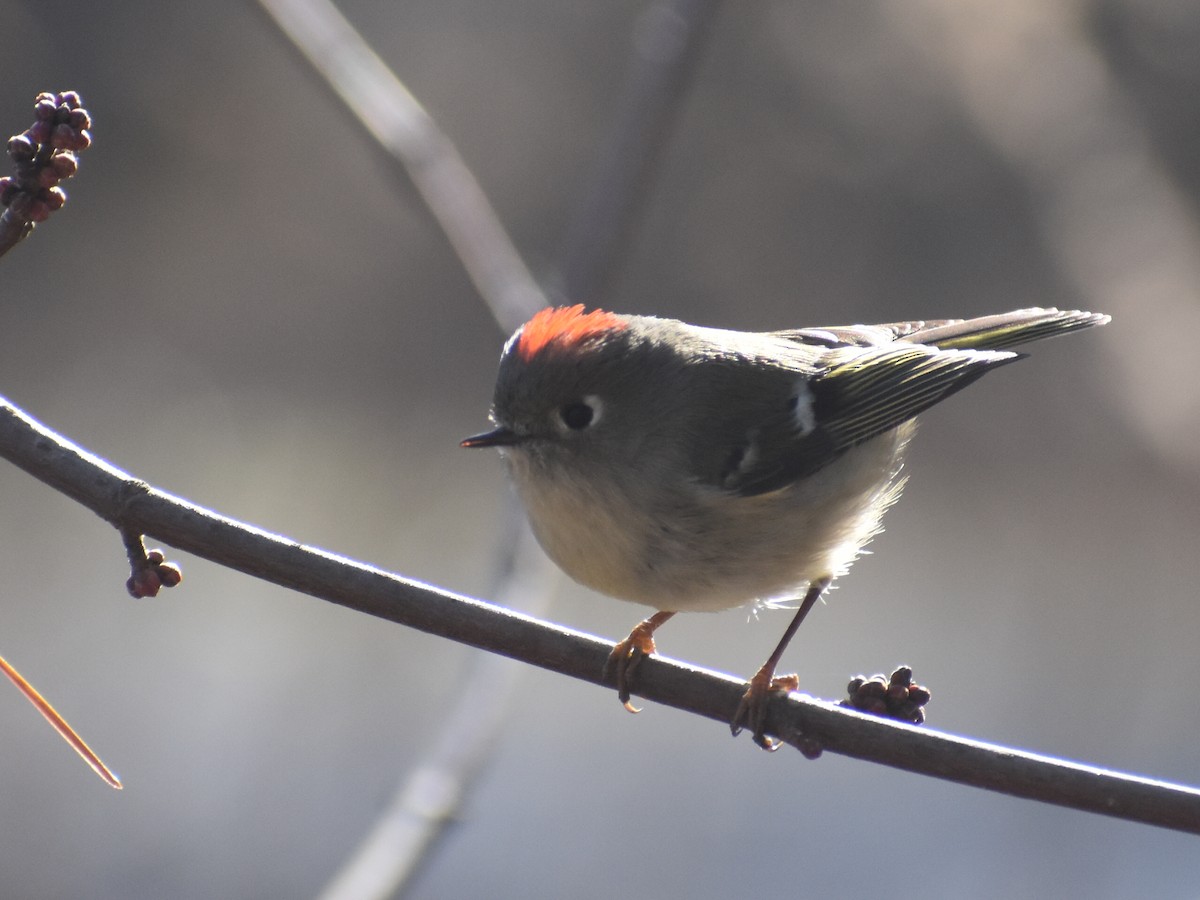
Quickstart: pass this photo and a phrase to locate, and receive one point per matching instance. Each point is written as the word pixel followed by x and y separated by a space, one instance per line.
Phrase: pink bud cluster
pixel 43 155
pixel 895 697
pixel 156 573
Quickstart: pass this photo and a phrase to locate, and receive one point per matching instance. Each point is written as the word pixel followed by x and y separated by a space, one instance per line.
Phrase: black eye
pixel 577 416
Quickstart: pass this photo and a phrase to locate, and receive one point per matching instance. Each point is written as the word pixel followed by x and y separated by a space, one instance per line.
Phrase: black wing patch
pixel 859 394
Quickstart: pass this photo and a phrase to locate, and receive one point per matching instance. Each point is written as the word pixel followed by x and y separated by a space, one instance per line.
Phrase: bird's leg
pixel 628 653
pixel 752 711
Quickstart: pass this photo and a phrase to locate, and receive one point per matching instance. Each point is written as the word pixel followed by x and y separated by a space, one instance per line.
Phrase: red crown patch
pixel 566 326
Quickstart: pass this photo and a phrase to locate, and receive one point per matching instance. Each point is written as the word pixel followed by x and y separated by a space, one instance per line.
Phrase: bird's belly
pixel 704 549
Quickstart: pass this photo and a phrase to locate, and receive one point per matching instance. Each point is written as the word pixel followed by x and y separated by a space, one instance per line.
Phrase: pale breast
pixel 688 547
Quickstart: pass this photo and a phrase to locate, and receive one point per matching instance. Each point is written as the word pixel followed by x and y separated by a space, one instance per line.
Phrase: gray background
pixel 241 305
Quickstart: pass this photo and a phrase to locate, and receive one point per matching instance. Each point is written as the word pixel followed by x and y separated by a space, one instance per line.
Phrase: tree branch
pixel 412 139
pixel 805 723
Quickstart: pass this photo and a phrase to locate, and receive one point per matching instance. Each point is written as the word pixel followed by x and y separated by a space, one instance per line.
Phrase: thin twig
pixel 405 130
pixel 807 724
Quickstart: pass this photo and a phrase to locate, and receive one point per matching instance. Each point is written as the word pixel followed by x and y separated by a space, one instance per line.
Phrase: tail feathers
pixel 1000 332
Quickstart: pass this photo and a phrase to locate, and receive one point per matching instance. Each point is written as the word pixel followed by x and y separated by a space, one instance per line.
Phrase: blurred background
pixel 244 306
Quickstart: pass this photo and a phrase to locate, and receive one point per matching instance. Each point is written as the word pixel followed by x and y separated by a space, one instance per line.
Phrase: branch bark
pixel 808 724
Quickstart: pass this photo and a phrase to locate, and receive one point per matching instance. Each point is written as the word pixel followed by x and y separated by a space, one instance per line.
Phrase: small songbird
pixel 689 468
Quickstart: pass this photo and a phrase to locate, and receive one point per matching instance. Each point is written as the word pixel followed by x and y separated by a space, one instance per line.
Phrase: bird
pixel 689 468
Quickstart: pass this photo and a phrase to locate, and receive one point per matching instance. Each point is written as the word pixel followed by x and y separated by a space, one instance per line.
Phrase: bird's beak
pixel 498 437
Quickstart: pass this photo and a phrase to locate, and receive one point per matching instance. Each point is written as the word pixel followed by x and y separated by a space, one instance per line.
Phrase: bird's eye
pixel 578 415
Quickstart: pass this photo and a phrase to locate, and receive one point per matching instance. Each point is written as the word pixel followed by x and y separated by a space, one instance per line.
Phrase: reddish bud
pixel 143 583
pixel 63 137
pixel 54 198
pixel 874 705
pixel 64 163
pixel 39 132
pixel 169 574
pixel 810 747
pixel 39 211
pixel 45 109
pixel 873 687
pixel 79 119
pixel 21 148
pixel 70 99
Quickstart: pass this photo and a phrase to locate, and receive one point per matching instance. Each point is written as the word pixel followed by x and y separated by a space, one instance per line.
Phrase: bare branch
pixel 405 130
pixel 807 724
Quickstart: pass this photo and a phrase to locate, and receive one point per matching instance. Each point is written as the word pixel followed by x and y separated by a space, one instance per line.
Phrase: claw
pixel 627 654
pixel 752 709
pixel 623 662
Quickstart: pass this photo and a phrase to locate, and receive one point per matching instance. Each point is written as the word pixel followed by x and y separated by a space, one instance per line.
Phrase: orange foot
pixel 752 711
pixel 626 654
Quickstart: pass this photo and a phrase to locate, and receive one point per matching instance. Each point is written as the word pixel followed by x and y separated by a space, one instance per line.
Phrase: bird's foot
pixel 624 659
pixel 752 710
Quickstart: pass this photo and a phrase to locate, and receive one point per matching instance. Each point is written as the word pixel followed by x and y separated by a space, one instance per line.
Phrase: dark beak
pixel 499 437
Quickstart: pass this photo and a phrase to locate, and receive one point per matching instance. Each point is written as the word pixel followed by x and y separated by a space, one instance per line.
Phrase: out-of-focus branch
pixel 669 43
pixel 429 796
pixel 407 830
pixel 405 130
pixel 807 724
pixel 1118 228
